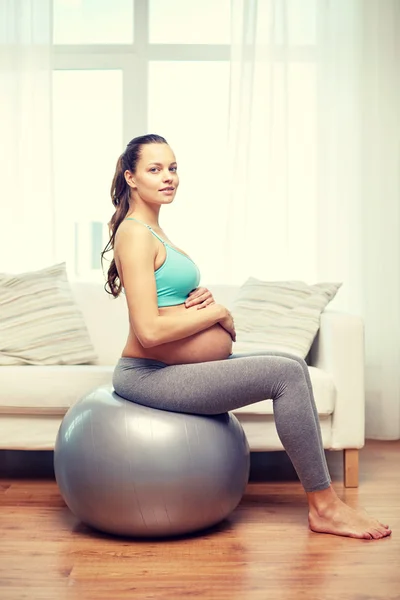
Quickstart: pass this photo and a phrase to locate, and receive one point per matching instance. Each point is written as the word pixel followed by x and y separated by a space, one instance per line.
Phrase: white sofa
pixel 33 399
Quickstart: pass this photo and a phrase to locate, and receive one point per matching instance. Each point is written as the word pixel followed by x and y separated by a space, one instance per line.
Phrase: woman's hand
pixel 228 324
pixel 200 297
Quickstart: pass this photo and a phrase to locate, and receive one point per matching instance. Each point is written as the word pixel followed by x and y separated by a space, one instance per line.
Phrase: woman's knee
pixel 297 359
pixel 292 368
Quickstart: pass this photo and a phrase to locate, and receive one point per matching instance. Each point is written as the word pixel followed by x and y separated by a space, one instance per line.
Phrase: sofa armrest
pixel 338 349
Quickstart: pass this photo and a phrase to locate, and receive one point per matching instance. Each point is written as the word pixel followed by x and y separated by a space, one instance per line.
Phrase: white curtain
pixel 314 145
pixel 26 173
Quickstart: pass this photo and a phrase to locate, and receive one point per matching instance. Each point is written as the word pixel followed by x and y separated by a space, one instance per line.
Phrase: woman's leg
pixel 327 513
pixel 306 372
pixel 221 386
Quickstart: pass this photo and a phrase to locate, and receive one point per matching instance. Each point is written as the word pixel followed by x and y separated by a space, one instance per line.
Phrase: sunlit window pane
pixel 93 21
pixel 189 22
pixel 290 22
pixel 193 117
pixel 87 142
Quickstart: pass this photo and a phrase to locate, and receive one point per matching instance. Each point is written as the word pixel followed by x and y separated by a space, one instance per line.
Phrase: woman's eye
pixel 154 169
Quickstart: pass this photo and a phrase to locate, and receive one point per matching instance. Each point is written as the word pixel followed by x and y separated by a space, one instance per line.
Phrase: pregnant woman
pixel 178 355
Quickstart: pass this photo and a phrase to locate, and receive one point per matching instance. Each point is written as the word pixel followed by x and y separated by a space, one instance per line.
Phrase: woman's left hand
pixel 200 297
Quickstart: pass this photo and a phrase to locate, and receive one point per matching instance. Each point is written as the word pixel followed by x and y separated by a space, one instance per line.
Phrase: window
pixel 299 16
pixel 124 68
pixel 127 67
pixel 87 142
pixel 93 22
pixel 188 22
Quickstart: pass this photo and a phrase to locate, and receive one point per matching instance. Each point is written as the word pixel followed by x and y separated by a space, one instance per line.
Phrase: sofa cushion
pixel 50 389
pixel 106 318
pixel 54 389
pixel 40 322
pixel 281 316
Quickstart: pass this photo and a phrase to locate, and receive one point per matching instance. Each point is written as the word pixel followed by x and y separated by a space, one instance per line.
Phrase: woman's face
pixel 156 179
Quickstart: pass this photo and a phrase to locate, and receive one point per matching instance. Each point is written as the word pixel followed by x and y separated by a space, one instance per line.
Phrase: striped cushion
pixel 279 316
pixel 40 324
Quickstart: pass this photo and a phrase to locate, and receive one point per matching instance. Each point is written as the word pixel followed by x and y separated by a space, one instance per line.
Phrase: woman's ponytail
pixel 120 195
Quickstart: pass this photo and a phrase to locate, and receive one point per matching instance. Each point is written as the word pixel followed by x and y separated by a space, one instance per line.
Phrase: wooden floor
pixel 264 551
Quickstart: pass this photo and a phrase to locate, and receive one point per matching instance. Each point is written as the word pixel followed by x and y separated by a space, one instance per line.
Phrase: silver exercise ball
pixel 130 470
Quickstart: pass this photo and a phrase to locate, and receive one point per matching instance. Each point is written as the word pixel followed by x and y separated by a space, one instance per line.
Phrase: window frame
pixel 134 59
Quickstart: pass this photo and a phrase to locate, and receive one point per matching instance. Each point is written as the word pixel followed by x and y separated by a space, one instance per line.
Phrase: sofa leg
pixel 350 467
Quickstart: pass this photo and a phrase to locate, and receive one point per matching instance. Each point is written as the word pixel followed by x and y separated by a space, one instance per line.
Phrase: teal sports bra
pixel 177 276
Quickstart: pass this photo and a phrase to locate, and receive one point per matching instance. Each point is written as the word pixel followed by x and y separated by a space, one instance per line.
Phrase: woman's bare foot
pixel 339 519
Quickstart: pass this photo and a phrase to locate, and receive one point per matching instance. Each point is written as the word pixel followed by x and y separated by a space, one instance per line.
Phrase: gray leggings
pixel 215 387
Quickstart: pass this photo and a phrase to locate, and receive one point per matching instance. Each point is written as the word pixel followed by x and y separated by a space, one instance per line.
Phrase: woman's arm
pixel 136 250
pixel 168 328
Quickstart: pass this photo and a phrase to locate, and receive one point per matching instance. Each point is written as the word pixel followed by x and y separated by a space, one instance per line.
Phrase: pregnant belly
pixel 213 343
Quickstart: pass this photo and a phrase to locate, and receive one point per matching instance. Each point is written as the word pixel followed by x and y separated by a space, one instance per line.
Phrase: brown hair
pixel 120 196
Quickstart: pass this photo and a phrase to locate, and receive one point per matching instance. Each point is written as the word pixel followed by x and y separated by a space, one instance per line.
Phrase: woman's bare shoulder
pixel 133 234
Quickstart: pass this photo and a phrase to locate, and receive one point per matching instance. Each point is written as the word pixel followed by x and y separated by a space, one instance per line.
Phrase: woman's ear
pixel 130 179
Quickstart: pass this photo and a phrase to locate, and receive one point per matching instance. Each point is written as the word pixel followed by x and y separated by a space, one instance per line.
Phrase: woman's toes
pixel 378 534
pixel 384 529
